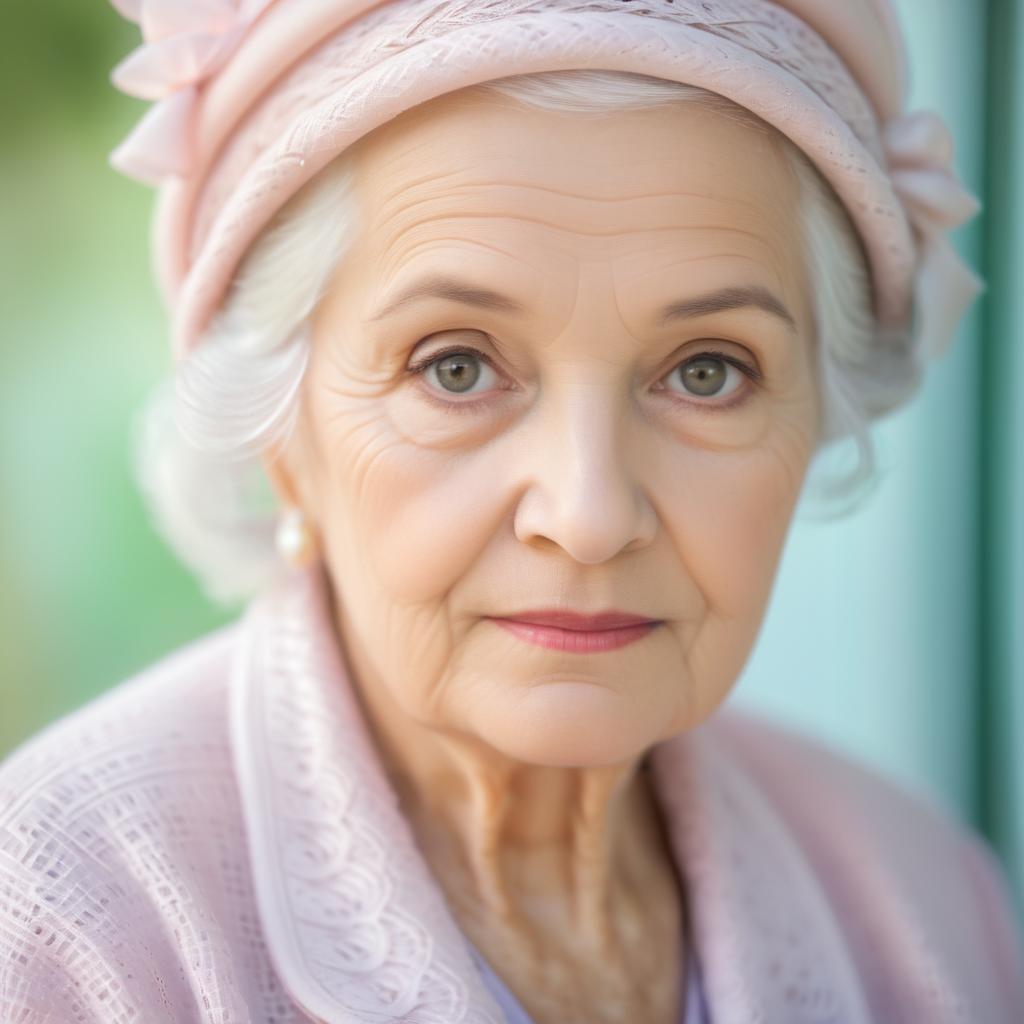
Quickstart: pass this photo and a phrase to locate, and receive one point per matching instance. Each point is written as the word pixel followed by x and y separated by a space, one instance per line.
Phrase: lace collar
pixel 359 929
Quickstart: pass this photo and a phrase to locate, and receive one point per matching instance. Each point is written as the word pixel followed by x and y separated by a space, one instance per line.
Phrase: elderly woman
pixel 529 316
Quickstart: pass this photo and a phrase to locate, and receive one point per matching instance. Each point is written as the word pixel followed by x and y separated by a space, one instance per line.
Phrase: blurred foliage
pixel 57 57
pixel 89 593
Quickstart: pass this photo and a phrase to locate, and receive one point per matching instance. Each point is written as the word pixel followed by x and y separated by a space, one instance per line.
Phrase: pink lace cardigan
pixel 216 841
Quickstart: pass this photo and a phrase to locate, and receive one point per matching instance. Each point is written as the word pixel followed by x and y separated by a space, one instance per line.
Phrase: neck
pixel 499 832
pixel 537 850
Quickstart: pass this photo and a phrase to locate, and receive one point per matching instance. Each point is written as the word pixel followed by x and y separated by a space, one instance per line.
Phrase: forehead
pixel 529 190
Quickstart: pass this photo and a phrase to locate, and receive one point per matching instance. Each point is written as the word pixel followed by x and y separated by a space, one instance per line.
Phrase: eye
pixel 455 370
pixel 714 375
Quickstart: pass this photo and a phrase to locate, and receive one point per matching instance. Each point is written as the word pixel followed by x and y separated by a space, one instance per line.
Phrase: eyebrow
pixel 734 297
pixel 722 299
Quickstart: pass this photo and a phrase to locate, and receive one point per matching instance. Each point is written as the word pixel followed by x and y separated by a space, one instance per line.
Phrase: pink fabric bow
pixel 919 150
pixel 186 42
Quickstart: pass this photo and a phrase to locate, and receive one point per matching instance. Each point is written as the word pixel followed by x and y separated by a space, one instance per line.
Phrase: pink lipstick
pixel 576 632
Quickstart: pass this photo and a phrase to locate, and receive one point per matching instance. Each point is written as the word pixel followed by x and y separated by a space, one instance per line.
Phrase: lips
pixel 576 633
pixel 578 621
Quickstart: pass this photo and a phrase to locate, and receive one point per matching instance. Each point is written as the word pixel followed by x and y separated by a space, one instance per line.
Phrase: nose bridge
pixel 589 415
pixel 586 493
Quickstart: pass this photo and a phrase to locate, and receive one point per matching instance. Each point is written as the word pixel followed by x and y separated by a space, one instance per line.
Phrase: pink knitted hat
pixel 254 97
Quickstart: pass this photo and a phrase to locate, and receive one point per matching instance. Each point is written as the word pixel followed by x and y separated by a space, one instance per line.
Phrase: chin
pixel 571 723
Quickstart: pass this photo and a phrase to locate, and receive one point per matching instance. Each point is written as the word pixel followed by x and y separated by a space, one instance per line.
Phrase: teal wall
pixel 1000 794
pixel 895 634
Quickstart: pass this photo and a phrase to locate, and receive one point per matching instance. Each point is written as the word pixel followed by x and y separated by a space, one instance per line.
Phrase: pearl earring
pixel 294 538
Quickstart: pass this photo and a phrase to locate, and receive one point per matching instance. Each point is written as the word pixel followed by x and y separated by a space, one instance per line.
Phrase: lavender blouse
pixel 692 1011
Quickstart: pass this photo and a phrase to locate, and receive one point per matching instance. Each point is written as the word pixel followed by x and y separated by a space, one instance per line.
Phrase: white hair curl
pixel 200 434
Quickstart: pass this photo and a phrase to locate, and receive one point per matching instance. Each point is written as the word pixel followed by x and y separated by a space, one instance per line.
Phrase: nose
pixel 585 491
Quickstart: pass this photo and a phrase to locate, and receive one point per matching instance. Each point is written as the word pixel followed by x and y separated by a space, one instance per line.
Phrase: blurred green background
pixel 89 594
pixel 897 634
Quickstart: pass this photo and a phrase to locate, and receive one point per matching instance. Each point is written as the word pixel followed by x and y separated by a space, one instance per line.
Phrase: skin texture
pixel 590 473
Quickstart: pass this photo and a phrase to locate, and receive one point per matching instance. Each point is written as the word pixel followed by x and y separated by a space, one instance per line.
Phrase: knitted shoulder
pixel 113 823
pixel 901 868
pixel 794 767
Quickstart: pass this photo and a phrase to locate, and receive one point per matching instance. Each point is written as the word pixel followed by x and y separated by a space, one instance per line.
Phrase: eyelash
pixel 421 366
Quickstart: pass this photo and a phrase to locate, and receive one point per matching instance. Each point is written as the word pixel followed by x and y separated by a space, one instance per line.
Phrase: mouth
pixel 575 632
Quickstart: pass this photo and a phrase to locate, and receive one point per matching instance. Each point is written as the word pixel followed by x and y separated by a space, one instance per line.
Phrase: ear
pixel 280 476
pixel 296 536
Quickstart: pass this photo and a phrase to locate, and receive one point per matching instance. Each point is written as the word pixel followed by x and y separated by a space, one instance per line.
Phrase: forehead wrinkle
pixel 771 256
pixel 406 256
pixel 476 243
pixel 505 184
pixel 401 201
pixel 394 241
pixel 400 197
pixel 668 267
pixel 490 186
pixel 400 213
pixel 394 258
pixel 397 256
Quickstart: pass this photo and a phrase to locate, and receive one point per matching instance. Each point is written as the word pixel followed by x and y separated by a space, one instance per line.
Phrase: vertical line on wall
pixel 1000 386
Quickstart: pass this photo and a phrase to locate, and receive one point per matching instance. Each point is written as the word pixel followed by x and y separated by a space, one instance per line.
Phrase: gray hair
pixel 201 433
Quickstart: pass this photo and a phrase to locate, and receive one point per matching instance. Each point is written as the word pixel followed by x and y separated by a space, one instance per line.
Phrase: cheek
pixel 414 519
pixel 728 523
pixel 729 514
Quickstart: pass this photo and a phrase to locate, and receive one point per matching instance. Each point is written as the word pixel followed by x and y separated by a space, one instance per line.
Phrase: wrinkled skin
pixel 592 471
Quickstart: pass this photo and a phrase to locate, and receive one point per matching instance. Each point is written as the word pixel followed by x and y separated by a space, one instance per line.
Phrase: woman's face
pixel 510 405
